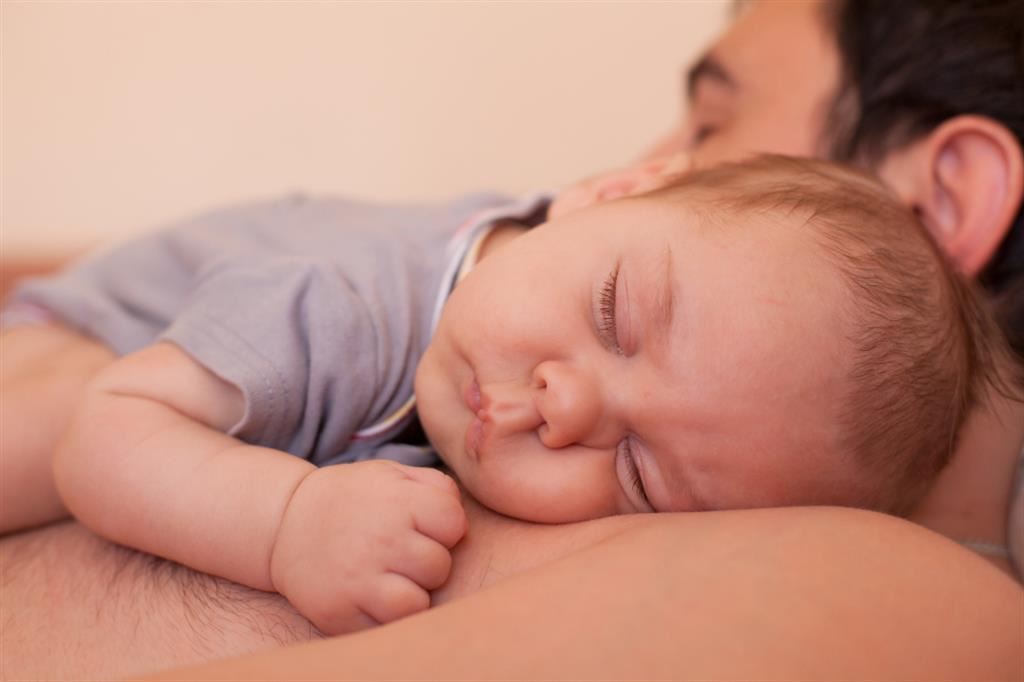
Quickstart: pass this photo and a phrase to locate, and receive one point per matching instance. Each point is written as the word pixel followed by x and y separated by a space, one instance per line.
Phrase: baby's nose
pixel 569 403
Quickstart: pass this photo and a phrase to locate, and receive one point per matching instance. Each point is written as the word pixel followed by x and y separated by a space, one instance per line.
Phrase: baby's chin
pixel 507 498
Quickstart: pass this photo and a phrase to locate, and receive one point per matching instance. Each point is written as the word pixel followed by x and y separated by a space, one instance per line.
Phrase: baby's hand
pixel 624 182
pixel 363 544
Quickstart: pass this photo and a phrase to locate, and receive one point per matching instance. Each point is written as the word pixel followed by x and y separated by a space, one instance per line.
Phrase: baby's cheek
pixel 540 494
pixel 434 401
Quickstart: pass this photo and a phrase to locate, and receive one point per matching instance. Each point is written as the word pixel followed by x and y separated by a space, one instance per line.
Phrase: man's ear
pixel 965 180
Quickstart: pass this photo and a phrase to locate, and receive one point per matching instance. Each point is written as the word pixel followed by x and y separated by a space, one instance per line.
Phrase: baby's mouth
pixel 472 397
pixel 475 431
pixel 474 437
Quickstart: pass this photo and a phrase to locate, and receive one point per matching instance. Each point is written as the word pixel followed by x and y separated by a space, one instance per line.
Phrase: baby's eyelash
pixel 607 308
pixel 634 472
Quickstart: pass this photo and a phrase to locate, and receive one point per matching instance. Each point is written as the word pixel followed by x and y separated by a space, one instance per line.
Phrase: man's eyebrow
pixel 708 67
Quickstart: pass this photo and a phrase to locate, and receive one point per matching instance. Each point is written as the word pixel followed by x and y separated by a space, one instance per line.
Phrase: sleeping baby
pixel 774 332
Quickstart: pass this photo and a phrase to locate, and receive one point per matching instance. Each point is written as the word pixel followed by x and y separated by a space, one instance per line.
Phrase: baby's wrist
pixel 279 562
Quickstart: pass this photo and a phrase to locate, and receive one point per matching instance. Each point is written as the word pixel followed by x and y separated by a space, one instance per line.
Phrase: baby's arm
pixel 147 464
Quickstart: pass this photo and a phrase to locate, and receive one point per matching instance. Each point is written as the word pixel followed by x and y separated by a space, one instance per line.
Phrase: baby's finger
pixel 344 622
pixel 423 560
pixel 434 478
pixel 391 596
pixel 440 517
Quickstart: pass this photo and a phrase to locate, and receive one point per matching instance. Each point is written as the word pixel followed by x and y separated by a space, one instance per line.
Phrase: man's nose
pixel 570 404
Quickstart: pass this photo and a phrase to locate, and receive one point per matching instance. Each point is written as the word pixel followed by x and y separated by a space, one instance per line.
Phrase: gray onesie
pixel 318 310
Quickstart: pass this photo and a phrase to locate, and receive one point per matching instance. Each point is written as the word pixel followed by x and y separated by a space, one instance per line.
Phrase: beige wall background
pixel 118 116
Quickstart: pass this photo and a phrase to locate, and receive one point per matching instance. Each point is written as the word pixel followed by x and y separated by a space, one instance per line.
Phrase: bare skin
pixel 731 610
pixel 114 612
pixel 42 370
pixel 77 607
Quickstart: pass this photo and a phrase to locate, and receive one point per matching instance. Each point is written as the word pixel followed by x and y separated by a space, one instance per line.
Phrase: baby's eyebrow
pixel 663 302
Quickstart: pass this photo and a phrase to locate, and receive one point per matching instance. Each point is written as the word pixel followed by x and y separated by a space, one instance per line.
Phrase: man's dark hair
pixel 910 65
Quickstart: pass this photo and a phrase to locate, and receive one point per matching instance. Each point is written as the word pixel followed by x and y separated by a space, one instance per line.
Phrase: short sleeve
pixel 296 339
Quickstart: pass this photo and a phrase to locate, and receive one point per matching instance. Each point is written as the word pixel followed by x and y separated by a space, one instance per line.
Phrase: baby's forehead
pixel 842 225
pixel 734 223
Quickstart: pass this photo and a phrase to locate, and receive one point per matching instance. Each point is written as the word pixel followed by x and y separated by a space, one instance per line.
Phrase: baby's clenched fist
pixel 362 544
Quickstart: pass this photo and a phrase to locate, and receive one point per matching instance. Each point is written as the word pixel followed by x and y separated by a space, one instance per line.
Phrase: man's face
pixel 765 86
pixel 705 353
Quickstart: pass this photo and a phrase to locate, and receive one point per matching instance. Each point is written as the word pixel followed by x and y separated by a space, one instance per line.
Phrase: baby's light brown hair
pixel 925 350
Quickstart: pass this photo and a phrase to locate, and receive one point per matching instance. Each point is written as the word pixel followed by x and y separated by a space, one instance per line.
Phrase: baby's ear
pixel 965 180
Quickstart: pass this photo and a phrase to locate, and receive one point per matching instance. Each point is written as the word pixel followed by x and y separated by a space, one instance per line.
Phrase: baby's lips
pixel 471 395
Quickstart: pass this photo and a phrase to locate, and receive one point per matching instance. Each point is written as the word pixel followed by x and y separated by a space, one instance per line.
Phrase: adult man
pixel 796 78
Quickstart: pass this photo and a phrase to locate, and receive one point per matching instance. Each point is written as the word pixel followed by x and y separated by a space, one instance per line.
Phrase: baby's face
pixel 627 357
